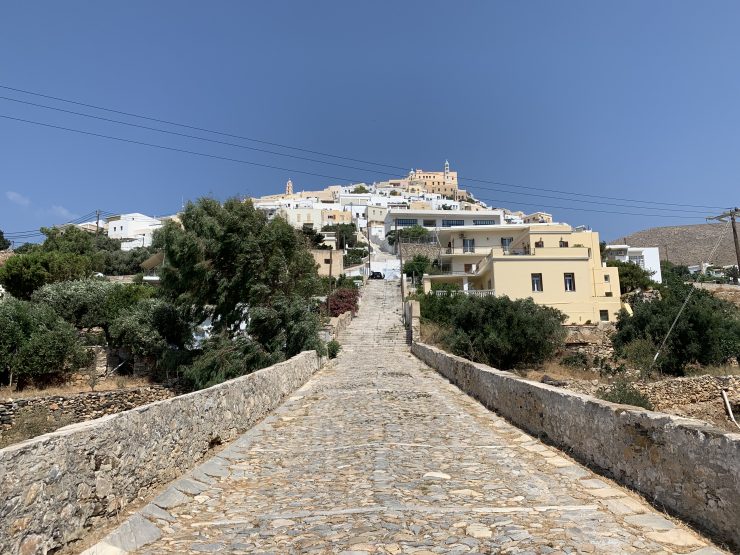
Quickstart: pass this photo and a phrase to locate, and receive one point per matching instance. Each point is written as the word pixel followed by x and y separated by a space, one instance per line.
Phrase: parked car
pixel 376 275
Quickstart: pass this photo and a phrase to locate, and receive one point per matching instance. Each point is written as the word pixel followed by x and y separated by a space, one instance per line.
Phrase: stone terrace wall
pixel 689 467
pixel 666 394
pixel 58 485
pixel 84 406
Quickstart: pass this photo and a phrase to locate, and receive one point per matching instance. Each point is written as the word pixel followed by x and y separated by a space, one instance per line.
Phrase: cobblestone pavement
pixel 377 453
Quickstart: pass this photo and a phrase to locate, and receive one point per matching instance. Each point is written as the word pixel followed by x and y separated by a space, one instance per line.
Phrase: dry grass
pixel 721 370
pixel 558 371
pixel 434 334
pixel 31 422
pixel 118 382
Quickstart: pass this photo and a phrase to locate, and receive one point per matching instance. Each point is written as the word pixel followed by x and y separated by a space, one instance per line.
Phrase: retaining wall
pixel 686 465
pixel 56 486
pixel 82 406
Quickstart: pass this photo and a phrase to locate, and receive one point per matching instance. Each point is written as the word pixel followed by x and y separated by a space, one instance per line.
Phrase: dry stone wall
pixel 685 465
pixel 83 406
pixel 58 485
pixel 666 394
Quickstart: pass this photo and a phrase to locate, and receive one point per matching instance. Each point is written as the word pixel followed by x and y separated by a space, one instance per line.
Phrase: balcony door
pixel 468 245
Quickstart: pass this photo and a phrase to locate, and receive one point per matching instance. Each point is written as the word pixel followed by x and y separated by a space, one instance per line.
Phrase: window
pixel 406 222
pixel 563 244
pixel 506 243
pixel 327 260
pixel 468 268
pixel 539 244
pixel 570 282
pixel 606 278
pixel 452 223
pixel 484 222
pixel 604 315
pixel 608 294
pixel 537 282
pixel 430 223
pixel 468 245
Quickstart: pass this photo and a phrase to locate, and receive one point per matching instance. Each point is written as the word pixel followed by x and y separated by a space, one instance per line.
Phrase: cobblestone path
pixel 377 453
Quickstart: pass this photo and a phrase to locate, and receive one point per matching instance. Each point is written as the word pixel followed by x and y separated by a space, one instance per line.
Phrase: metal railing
pixel 469 292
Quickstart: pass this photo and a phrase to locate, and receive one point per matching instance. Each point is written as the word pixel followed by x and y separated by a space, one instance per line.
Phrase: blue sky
pixel 628 100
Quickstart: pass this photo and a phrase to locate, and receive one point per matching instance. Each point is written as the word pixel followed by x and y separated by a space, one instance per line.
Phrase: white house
pixel 134 230
pixel 647 258
pixel 433 219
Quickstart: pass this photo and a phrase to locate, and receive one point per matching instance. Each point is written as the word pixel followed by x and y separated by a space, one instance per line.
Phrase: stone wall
pixel 685 465
pixel 409 250
pixel 83 406
pixel 666 394
pixel 58 485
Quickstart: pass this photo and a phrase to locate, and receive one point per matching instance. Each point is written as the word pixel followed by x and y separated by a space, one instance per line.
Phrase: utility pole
pixel 400 260
pixel 97 221
pixel 731 215
pixel 369 246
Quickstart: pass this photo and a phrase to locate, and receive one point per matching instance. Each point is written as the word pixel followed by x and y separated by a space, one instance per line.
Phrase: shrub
pixel 496 330
pixel 708 331
pixel 333 348
pixel 343 300
pixel 624 393
pixel 36 344
pixel 639 354
pixel 576 360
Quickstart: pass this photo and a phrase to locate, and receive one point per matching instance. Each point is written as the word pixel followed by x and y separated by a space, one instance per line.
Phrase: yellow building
pixel 553 264
pixel 443 183
pixel 330 262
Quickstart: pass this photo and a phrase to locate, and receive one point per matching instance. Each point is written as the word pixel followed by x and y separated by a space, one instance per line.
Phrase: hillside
pixel 686 244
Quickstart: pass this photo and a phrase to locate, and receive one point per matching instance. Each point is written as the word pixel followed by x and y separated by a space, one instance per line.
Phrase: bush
pixel 631 276
pixel 353 257
pixel 36 344
pixel 639 354
pixel 624 393
pixel 496 330
pixel 708 331
pixel 333 348
pixel 343 300
pixel 576 360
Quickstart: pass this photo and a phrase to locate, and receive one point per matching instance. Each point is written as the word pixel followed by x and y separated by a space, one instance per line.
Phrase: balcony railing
pixel 469 292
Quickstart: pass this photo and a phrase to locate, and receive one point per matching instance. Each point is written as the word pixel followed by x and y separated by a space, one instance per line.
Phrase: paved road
pixel 379 454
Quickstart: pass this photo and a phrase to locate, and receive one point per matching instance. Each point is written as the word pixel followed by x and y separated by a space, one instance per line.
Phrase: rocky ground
pixel 377 453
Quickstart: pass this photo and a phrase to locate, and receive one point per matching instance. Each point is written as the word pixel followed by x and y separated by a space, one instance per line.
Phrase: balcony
pixel 469 292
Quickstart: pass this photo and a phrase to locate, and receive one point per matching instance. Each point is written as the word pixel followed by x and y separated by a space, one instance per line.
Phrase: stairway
pixel 378 323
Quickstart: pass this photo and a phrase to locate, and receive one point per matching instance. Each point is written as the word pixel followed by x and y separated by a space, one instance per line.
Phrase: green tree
pixel 22 274
pixel 631 276
pixel 360 189
pixel 315 239
pixel 411 233
pixel 149 328
pixel 353 257
pixel 417 266
pixel 345 233
pixel 36 344
pixel 4 243
pixel 707 332
pixel 252 277
pixel 91 303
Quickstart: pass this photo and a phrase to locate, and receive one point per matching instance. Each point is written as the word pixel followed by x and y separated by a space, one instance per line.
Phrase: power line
pixel 195 128
pixel 186 135
pixel 214 156
pixel 586 195
pixel 592 210
pixel 182 150
pixel 226 143
pixel 588 201
pixel 368 162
